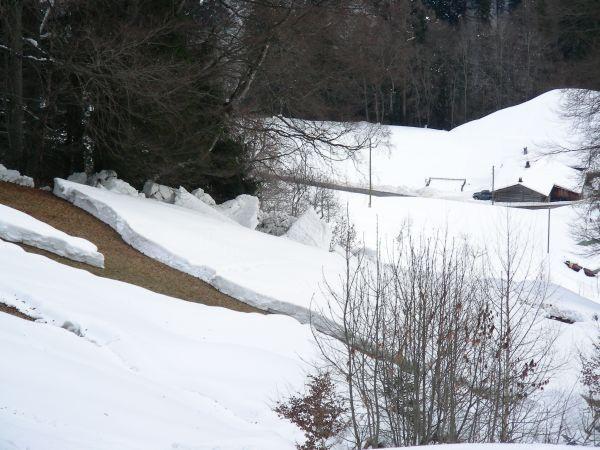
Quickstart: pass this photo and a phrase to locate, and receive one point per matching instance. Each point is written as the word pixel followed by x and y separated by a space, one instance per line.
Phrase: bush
pixel 319 413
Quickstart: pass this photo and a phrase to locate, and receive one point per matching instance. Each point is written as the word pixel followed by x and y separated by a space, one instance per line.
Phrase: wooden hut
pixel 520 192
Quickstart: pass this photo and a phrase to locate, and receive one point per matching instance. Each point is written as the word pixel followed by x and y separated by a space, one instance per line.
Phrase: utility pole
pixel 370 178
pixel 493 180
pixel 548 247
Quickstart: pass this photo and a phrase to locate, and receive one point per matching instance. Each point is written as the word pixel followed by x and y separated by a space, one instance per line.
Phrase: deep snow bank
pixel 265 271
pixel 145 372
pixel 16 226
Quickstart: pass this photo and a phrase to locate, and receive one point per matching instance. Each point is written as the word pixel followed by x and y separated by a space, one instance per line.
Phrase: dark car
pixel 482 195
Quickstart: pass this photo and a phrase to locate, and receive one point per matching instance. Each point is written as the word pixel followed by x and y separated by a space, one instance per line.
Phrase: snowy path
pixel 16 226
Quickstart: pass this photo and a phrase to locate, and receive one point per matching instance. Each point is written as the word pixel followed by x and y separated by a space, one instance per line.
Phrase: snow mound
pixel 159 192
pixel 101 177
pixel 78 177
pixel 203 196
pixel 120 186
pixel 243 209
pixel 16 226
pixel 106 179
pixel 14 176
pixel 186 200
pixel 309 229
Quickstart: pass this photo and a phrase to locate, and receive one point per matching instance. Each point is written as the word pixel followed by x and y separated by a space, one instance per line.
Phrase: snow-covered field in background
pixel 137 370
pixel 492 447
pixel 483 226
pixel 272 273
pixel 16 226
pixel 409 156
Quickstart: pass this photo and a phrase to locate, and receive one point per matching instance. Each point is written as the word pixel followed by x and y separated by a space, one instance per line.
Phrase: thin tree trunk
pixel 14 30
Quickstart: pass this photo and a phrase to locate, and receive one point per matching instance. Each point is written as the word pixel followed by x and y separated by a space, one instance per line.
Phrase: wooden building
pixel 519 193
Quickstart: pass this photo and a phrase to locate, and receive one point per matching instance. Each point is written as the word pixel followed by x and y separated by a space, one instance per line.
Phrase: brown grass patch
pixel 122 262
pixel 14 312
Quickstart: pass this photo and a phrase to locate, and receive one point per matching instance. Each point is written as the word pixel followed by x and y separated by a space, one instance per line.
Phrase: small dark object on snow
pixel 562 319
pixel 589 273
pixel 482 195
pixel 573 266
pixel 527 165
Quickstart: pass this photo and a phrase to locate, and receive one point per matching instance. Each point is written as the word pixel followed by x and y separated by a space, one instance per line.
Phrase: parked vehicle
pixel 482 195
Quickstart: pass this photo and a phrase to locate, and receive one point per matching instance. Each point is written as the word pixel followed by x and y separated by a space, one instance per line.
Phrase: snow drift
pixel 16 226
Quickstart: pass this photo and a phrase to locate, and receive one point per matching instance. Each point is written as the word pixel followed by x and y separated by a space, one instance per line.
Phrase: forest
pixel 180 92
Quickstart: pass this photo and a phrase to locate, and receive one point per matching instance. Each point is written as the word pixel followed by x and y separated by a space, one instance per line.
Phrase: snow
pixel 309 229
pixel 243 209
pixel 123 367
pixel 16 226
pixel 492 447
pixel 78 177
pixel 159 192
pixel 106 179
pixel 484 226
pixel 409 157
pixel 204 196
pixel 120 186
pixel 259 269
pixel 269 272
pixel 14 176
pixel 186 200
pixel 138 370
pixel 101 177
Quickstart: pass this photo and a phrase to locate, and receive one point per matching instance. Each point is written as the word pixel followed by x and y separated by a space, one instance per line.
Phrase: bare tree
pixel 435 350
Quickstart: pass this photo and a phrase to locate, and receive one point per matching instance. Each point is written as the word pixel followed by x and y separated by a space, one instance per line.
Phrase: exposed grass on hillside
pixel 14 312
pixel 122 262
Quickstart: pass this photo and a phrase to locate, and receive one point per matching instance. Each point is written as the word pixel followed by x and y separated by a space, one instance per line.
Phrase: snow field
pixel 146 372
pixel 408 157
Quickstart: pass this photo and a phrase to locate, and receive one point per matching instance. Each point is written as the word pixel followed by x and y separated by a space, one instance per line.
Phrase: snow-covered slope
pixel 483 226
pixel 411 156
pixel 272 273
pixel 137 370
pixel 277 274
pixel 16 226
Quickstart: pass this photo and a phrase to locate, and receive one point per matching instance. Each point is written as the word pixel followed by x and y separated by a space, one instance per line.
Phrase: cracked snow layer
pixel 16 226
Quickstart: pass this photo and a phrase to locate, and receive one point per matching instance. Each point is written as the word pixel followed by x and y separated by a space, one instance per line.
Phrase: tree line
pixel 180 91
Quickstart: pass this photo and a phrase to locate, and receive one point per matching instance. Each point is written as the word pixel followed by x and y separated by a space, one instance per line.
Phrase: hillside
pixel 133 366
pixel 122 262
pixel 408 157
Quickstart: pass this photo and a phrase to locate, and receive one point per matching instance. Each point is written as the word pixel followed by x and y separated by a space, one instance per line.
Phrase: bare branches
pixel 435 348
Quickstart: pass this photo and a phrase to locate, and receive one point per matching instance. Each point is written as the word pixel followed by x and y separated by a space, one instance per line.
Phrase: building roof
pixel 541 176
